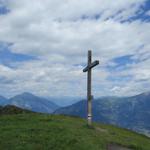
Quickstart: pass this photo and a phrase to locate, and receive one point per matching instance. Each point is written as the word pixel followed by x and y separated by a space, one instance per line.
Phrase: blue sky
pixel 43 47
pixel 3 10
pixel 7 58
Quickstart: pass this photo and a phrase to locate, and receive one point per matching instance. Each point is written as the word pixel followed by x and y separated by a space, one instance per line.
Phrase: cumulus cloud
pixel 148 13
pixel 59 33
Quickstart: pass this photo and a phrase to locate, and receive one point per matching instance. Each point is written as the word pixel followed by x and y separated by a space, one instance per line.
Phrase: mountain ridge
pixel 3 100
pixel 29 101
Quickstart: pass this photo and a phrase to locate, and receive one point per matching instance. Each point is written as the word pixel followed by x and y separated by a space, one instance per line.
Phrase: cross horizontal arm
pixel 95 63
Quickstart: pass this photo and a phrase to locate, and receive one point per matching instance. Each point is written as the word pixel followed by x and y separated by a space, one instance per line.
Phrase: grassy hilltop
pixel 30 131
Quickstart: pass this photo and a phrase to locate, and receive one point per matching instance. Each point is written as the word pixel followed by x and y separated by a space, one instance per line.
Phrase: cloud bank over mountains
pixel 43 46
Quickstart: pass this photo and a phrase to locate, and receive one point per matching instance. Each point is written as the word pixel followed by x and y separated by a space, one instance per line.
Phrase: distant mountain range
pixel 128 112
pixel 64 100
pixel 30 102
pixel 3 101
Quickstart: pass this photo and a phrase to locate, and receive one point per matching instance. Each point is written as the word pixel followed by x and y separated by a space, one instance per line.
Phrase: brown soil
pixel 116 147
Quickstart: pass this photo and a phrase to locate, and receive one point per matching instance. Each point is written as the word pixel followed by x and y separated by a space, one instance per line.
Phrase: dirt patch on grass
pixel 116 147
pixel 100 129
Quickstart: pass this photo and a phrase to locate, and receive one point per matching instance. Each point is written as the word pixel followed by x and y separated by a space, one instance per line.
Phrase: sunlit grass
pixel 55 132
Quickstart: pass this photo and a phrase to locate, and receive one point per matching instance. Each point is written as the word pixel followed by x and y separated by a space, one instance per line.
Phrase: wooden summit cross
pixel 88 69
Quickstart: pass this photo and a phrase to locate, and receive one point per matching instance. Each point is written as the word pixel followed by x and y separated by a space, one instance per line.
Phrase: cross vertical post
pixel 89 88
pixel 88 69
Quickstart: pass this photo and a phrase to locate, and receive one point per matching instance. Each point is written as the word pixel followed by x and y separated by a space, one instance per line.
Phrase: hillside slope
pixel 51 132
pixel 10 109
pixel 129 112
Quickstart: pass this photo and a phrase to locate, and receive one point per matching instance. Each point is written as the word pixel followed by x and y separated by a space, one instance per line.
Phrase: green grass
pixel 50 132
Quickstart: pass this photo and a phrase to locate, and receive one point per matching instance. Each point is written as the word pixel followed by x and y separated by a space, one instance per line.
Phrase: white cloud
pixel 55 32
pixel 148 13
